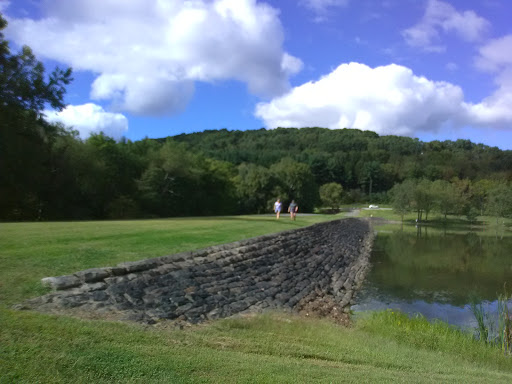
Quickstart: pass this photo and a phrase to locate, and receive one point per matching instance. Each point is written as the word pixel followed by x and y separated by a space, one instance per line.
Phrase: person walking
pixel 293 208
pixel 277 208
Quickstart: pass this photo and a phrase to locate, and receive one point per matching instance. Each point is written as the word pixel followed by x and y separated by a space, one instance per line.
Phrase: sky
pixel 430 69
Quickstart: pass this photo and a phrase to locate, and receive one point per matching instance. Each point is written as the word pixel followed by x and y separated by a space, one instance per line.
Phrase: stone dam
pixel 299 270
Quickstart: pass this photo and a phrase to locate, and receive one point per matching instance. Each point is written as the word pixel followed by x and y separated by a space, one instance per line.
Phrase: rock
pixel 93 287
pixel 318 267
pixel 61 282
pixel 93 275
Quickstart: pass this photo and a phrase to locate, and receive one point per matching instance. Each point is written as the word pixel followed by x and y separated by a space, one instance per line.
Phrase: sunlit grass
pixel 263 349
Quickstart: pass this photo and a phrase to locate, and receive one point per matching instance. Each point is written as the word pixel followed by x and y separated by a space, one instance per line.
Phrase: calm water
pixel 436 273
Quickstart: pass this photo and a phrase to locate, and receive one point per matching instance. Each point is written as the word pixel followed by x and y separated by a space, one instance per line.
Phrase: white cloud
pixel 90 118
pixel 496 55
pixel 443 17
pixel 388 100
pixel 148 54
pixel 321 8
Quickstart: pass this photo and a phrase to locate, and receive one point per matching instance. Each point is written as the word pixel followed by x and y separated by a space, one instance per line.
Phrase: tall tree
pixel 254 187
pixel 330 195
pixel 447 197
pixel 499 202
pixel 479 194
pixel 297 182
pixel 423 198
pixel 178 182
pixel 369 173
pixel 25 137
pixel 402 196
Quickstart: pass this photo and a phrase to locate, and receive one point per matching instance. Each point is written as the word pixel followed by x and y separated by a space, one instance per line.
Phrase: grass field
pixel 385 347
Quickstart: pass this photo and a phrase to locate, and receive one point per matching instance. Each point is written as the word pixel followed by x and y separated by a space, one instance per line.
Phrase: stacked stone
pixel 267 272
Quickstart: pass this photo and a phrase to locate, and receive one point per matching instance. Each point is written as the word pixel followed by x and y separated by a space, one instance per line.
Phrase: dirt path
pixel 353 212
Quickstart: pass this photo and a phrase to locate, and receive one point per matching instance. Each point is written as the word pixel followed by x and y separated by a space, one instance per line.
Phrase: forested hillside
pixel 352 157
pixel 48 173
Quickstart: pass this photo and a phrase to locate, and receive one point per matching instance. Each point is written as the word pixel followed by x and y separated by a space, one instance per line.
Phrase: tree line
pixel 466 197
pixel 48 173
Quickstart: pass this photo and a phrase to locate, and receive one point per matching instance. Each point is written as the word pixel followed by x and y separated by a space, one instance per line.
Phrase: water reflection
pixel 436 272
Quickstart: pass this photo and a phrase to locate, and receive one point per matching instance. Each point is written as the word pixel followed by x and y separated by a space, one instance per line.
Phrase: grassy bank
pixel 278 348
pixel 270 348
pixel 481 223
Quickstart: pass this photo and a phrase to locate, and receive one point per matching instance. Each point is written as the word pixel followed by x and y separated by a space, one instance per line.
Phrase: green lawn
pixel 385 347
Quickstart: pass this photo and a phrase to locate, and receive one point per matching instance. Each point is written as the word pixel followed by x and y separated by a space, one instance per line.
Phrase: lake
pixel 437 272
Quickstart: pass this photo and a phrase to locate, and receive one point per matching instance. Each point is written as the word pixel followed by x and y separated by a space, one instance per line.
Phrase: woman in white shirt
pixel 277 208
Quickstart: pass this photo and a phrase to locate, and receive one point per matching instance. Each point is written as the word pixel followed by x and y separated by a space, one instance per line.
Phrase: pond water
pixel 437 273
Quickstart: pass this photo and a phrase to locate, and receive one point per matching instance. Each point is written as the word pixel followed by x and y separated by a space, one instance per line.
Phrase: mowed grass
pixel 261 349
pixel 384 347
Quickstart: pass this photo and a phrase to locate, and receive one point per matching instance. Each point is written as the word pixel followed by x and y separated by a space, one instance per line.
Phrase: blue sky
pixel 430 69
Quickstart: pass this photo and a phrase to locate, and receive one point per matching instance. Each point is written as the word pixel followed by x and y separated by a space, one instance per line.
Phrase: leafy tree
pixel 217 188
pixel 117 168
pixel 297 182
pixel 402 196
pixel 423 198
pixel 75 168
pixel 479 194
pixel 320 164
pixel 447 197
pixel 472 214
pixel 168 186
pixel 23 83
pixel 254 186
pixel 499 203
pixel 370 172
pixel 179 182
pixel 25 137
pixel 330 195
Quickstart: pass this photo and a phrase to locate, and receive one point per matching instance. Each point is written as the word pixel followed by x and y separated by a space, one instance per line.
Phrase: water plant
pixel 482 320
pixel 486 324
pixel 504 324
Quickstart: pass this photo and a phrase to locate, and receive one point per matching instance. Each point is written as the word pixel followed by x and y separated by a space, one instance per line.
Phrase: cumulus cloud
pixel 387 100
pixel 90 118
pixel 496 57
pixel 443 17
pixel 148 54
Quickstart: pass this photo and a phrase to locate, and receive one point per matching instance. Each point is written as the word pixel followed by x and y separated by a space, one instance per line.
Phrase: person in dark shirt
pixel 293 208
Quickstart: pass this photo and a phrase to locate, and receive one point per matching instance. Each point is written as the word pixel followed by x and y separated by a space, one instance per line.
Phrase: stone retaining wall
pixel 287 270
